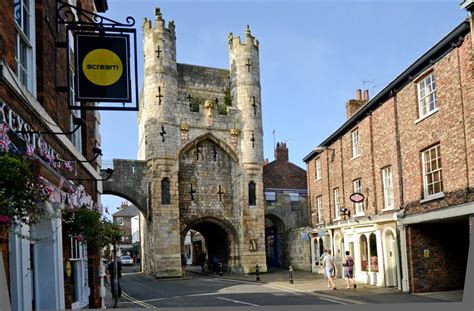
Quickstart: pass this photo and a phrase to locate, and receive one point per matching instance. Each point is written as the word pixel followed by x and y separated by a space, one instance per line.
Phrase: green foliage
pixel 222 109
pixel 89 226
pixel 227 97
pixel 21 191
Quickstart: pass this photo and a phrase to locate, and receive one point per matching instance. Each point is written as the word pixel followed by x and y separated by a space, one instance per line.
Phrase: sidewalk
pixel 314 282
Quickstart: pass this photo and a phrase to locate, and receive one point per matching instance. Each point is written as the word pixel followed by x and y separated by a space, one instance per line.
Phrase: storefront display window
pixel 364 253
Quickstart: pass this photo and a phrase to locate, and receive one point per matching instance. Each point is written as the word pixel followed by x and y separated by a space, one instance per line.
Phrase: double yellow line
pixel 136 301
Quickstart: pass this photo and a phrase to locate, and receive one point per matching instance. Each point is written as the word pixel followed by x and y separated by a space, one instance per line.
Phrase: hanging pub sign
pixel 102 66
pixel 357 197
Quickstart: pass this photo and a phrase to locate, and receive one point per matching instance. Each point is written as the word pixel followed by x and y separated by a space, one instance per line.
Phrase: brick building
pixel 45 268
pixel 286 207
pixel 409 152
pixel 127 217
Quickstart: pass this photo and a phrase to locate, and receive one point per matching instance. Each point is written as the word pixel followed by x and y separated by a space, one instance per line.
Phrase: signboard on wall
pixel 102 67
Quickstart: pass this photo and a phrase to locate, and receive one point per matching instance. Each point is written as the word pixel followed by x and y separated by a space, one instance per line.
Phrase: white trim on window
pixel 432 172
pixel 426 95
pixel 427 115
pixel 359 207
pixel 387 186
pixel 317 164
pixel 355 143
pixel 119 221
pixel 337 204
pixel 25 58
pixel 319 205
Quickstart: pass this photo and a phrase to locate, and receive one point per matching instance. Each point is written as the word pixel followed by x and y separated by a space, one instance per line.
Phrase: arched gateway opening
pixel 275 242
pixel 215 239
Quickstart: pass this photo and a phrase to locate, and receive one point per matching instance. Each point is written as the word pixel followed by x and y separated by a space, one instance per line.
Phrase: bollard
pixel 290 274
pixel 257 273
pixel 220 269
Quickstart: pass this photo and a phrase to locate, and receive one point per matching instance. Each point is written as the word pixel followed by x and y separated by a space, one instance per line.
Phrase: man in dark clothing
pixel 184 263
pixel 111 272
pixel 202 260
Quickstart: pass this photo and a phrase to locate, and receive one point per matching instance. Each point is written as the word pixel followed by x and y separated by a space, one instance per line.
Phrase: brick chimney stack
pixel 353 105
pixel 281 152
pixel 124 205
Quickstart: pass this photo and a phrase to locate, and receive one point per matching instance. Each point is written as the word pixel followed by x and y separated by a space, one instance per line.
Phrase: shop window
pixel 374 264
pixel 165 191
pixel 364 256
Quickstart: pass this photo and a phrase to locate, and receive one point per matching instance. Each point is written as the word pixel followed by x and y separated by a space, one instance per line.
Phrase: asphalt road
pixel 197 290
pixel 141 291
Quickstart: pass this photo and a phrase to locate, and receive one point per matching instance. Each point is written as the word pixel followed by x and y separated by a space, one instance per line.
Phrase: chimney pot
pixel 359 94
pixel 281 152
pixel 366 95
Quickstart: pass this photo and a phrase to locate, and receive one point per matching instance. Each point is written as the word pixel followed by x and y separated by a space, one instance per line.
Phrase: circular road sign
pixel 357 197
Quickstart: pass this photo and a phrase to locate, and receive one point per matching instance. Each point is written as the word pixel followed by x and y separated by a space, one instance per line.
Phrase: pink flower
pixel 4 219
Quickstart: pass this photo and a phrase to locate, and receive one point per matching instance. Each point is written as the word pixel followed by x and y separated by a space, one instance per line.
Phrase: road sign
pixel 357 197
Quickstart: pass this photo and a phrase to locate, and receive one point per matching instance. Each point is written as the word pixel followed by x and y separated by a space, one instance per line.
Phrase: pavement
pixel 305 283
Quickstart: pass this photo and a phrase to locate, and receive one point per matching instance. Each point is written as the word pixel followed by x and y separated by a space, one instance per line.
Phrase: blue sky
pixel 313 57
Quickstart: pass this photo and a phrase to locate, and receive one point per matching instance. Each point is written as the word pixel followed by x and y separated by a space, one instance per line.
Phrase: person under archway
pixel 329 266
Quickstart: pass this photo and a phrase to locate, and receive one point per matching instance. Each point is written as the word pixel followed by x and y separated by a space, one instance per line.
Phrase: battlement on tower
pixel 160 23
pixel 234 41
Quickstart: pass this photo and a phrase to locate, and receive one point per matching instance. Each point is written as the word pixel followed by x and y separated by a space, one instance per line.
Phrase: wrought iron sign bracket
pixel 78 20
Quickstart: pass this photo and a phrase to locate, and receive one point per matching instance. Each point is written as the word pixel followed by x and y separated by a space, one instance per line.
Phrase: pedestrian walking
pixel 348 265
pixel 184 262
pixel 111 277
pixel 202 260
pixel 329 266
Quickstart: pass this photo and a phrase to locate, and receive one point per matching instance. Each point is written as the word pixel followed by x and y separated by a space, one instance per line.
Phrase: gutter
pixel 446 45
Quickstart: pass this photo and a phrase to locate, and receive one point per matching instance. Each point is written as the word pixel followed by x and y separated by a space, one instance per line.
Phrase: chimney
pixel 366 95
pixel 353 105
pixel 281 152
pixel 124 205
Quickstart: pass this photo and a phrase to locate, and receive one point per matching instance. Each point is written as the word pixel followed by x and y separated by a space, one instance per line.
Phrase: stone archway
pixel 221 242
pixel 275 241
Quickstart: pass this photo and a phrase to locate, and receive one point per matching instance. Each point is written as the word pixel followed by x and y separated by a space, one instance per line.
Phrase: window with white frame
pixel 79 275
pixel 432 172
pixel 355 143
pixel 319 206
pixel 359 207
pixel 337 203
pixel 119 221
pixel 387 187
pixel 76 137
pixel 426 95
pixel 23 11
pixel 317 164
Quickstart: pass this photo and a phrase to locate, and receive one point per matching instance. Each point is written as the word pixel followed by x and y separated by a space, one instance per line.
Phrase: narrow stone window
pixel 165 191
pixel 252 196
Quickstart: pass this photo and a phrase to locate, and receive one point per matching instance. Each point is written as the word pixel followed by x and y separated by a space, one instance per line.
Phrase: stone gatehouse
pixel 200 157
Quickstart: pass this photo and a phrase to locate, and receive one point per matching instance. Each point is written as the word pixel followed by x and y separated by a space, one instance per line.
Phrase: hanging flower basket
pixel 88 226
pixel 21 191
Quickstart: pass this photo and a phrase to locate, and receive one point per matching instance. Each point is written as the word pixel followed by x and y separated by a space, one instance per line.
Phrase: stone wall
pixel 299 249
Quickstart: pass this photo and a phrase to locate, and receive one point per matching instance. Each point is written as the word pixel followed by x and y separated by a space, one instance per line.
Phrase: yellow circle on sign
pixel 102 67
pixel 68 269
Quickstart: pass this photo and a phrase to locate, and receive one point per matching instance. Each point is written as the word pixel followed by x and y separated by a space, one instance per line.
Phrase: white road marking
pixel 332 300
pixel 237 301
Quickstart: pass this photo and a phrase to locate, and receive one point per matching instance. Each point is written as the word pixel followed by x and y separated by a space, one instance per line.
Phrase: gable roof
pixel 130 211
pixel 443 47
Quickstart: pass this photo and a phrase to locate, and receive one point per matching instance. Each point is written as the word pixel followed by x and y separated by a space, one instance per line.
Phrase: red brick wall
pixel 445 268
pixel 446 127
pixel 452 126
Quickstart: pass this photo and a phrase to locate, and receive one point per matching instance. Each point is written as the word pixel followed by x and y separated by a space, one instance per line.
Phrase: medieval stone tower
pixel 201 141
